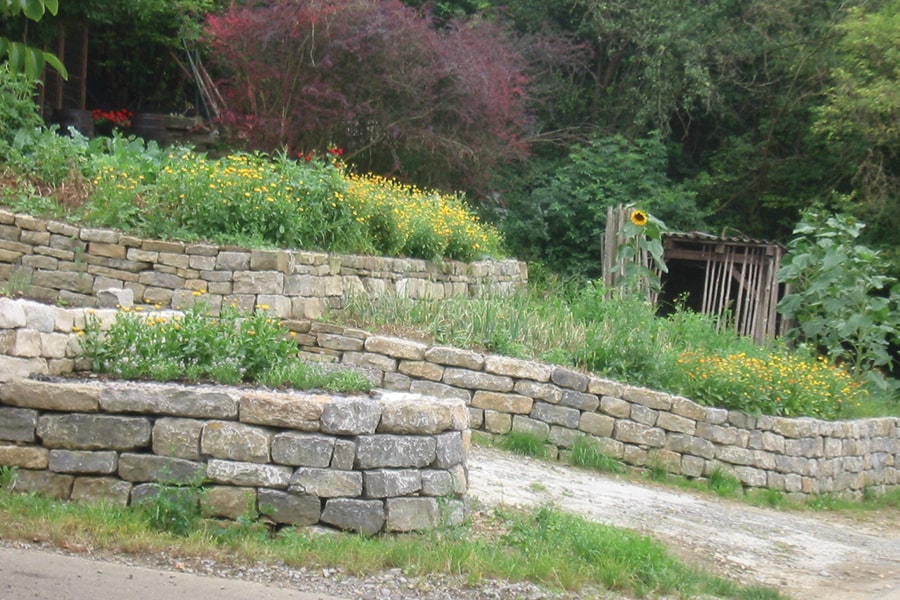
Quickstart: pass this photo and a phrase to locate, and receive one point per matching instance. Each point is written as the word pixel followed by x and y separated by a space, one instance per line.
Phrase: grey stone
pixel 24 457
pixel 580 400
pixel 177 438
pixel 161 469
pixel 450 450
pixel 326 483
pixel 562 437
pixel 691 445
pixel 396 347
pixel 291 411
pixel 351 416
pixel 547 392
pixel 362 516
pixel 475 380
pixel 455 357
pixel 391 483
pixel 236 441
pixel 556 415
pixel 101 489
pixel 45 483
pixel 570 379
pixel 615 407
pixel 517 368
pixel 80 461
pixel 436 483
pixel 258 282
pixel 502 402
pixel 648 398
pixel 420 415
pixel 630 432
pixel 672 422
pixel 394 451
pixel 287 508
pixel 497 422
pixel 596 424
pixel 531 426
pixel 644 415
pixel 228 502
pixel 93 432
pixel 344 455
pixel 17 424
pixel 248 474
pixel 170 400
pixel 302 449
pixel 411 514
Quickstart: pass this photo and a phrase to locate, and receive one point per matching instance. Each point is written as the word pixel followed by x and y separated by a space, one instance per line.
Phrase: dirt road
pixel 809 556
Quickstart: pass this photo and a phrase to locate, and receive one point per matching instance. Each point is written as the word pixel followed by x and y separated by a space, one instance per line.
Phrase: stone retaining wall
pixel 362 463
pixel 64 264
pixel 641 427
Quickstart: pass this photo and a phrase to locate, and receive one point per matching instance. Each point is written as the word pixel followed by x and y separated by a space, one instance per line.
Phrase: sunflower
pixel 639 218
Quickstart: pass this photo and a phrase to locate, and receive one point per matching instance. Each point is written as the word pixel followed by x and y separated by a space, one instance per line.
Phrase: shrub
pixel 18 110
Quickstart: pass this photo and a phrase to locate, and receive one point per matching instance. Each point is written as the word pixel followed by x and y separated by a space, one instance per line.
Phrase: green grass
pixel 587 453
pixel 545 546
pixel 524 443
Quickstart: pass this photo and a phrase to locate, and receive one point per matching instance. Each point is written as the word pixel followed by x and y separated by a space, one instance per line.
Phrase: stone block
pixel 570 379
pixel 160 469
pixel 691 445
pixel 615 407
pixel 580 400
pixel 676 423
pixel 643 415
pixel 12 314
pixel 455 357
pixel 419 415
pixel 411 514
pixel 502 402
pixel 437 483
pixel 475 380
pixel 562 437
pixel 344 454
pixel 517 368
pixel 236 441
pixel 45 395
pixel 396 347
pixel 353 415
pixel 206 402
pixel 258 282
pixel 371 360
pixel 17 424
pixel 101 489
pixel 497 422
pixel 248 474
pixel 362 516
pixel 649 398
pixel 450 449
pixel 391 483
pixel 24 457
pixel 93 432
pixel 394 451
pixel 630 432
pixel 228 502
pixel 339 342
pixel 177 438
pixel 727 436
pixel 692 466
pixel 81 461
pixel 420 369
pixel 45 483
pixel 12 367
pixel 302 449
pixel 556 415
pixel 290 509
pixel 523 424
pixel 597 424
pixel 290 411
pixel 547 392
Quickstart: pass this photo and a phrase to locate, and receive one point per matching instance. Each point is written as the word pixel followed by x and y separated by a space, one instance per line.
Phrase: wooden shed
pixel 733 278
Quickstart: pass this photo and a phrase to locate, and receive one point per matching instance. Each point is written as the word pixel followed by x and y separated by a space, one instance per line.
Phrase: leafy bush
pixel 18 110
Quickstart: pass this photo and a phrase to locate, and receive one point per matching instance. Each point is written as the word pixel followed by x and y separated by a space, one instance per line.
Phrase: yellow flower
pixel 639 218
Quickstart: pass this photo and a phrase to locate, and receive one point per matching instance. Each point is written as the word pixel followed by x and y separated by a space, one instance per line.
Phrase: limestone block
pixel 436 483
pixel 228 502
pixel 54 485
pixel 17 424
pixel 411 514
pixel 54 345
pixel 692 466
pixel 455 357
pixel 718 434
pixel 475 380
pixel 362 516
pixel 115 297
pixel 497 422
pixel 394 451
pixel 291 411
pixel 562 437
pixel 177 438
pixel 93 432
pixel 596 424
pixel 451 449
pixel 43 395
pixel 12 367
pixel 248 474
pixel 531 426
pixel 353 415
pixel 547 392
pixel 39 316
pixel 396 347
pixel 233 261
pixel 26 343
pixel 518 368
pixel 556 415
pixel 605 387
pixel 391 483
pixel 420 415
pixel 288 508
pixel 339 342
pixel 236 441
pixel 302 449
pixel 258 282
pixel 370 360
pixel 615 407
pixel 438 390
pixel 81 461
pixel 81 283
pixel 503 402
pixel 171 400
pixel 157 279
pixel 734 456
pixel 580 400
pixel 101 489
pixel 344 454
pixel 648 398
pixel 570 379
pixel 630 432
pixel 691 445
pixel 12 314
pixel 161 469
pixel 676 423
pixel 421 370
pixel 24 457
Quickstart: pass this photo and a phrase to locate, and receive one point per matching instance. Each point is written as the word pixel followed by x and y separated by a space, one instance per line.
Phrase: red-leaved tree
pixel 440 108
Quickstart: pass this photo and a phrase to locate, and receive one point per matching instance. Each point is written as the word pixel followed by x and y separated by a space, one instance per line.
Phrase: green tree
pixel 21 57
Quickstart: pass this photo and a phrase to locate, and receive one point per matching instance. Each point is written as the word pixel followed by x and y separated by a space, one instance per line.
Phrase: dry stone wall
pixel 641 427
pixel 369 463
pixel 64 264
